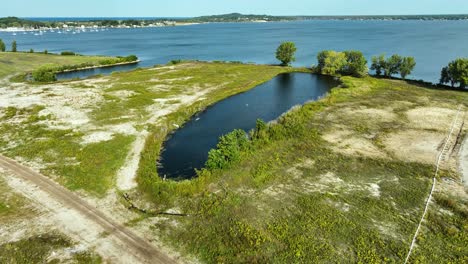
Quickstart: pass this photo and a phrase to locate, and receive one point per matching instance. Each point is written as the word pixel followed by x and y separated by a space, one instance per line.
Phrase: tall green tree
pixel 356 64
pixel 14 46
pixel 285 53
pixel 321 56
pixel 2 46
pixel 378 64
pixel 334 63
pixel 456 73
pixel 392 65
pixel 406 67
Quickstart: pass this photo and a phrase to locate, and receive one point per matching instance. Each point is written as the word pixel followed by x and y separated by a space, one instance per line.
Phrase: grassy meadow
pixel 20 62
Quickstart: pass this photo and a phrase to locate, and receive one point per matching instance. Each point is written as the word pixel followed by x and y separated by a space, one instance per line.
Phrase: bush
pixel 228 150
pixel 44 75
pixel 31 51
pixel 67 53
pixel 46 52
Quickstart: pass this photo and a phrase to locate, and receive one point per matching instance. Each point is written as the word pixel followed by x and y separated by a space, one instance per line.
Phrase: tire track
pixel 140 248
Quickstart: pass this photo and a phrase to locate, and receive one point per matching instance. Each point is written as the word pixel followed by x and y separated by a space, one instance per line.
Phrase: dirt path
pixel 125 245
pixel 464 162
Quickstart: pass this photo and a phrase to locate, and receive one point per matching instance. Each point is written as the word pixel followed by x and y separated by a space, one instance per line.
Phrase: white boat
pixel 14 34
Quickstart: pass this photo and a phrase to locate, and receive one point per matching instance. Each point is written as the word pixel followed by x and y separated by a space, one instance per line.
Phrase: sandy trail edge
pixel 127 245
pixel 464 162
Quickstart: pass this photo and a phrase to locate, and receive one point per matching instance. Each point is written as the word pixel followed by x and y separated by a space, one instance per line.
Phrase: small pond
pixel 82 74
pixel 187 148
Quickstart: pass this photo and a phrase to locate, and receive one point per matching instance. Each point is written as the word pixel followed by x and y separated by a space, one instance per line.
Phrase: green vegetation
pixel 286 195
pixel 15 63
pixel 2 46
pixel 456 73
pixel 46 73
pixel 7 22
pixel 342 63
pixel 285 53
pixel 407 66
pixel 43 75
pixel 67 53
pixel 14 46
pixel 228 150
pixel 37 249
pixel 393 65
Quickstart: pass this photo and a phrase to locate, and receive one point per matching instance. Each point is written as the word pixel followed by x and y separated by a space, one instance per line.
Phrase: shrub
pixel 67 53
pixel 2 46
pixel 44 75
pixel 228 150
pixel 31 51
pixel 46 52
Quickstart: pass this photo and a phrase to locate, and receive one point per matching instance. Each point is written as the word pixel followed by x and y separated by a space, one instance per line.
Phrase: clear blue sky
pixel 188 8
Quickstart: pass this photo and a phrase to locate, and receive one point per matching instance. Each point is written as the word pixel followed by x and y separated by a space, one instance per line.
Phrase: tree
pixel 14 46
pixel 356 63
pixel 378 64
pixel 456 72
pixel 2 46
pixel 285 53
pixel 392 65
pixel 406 67
pixel 334 63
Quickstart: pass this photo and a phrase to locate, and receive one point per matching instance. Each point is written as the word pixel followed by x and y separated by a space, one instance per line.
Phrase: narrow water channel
pixel 82 74
pixel 187 149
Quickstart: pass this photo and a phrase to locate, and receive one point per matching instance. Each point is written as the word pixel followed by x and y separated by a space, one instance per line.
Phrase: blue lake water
pixel 188 147
pixel 432 43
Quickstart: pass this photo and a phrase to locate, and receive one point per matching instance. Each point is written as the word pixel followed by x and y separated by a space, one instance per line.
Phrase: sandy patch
pixel 415 145
pixel 127 174
pixel 97 137
pixel 431 118
pixel 375 114
pixel 463 161
pixel 345 142
pixel 66 115
pixel 374 189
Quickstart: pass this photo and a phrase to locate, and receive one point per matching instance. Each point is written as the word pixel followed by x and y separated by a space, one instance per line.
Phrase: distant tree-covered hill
pixel 7 22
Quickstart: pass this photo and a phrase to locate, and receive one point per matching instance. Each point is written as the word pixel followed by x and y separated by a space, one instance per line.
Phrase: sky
pixel 191 8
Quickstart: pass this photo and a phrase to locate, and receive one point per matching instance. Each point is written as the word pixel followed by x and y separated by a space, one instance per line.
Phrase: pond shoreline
pixel 99 66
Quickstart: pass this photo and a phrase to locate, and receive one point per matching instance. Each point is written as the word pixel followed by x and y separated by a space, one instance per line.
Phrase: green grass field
pixel 18 62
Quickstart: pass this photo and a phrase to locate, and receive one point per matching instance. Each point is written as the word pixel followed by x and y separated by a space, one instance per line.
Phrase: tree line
pixel 353 63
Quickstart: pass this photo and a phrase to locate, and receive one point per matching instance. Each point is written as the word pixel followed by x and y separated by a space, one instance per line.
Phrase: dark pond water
pixel 188 147
pixel 432 43
pixel 91 72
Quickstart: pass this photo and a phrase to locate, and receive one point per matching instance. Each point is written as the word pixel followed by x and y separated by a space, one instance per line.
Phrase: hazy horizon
pixel 186 8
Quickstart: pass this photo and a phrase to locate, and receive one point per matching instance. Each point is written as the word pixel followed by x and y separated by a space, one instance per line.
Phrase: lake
pixel 432 43
pixel 188 147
